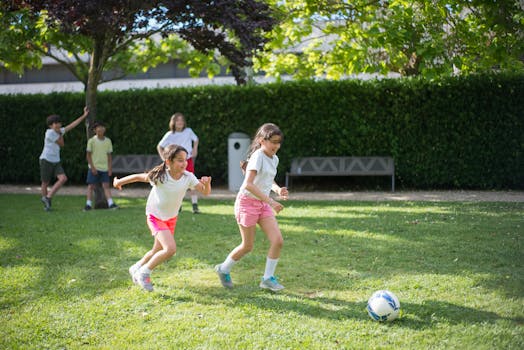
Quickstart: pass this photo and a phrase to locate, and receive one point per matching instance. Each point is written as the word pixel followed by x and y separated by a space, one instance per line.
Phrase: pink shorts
pixel 156 225
pixel 249 210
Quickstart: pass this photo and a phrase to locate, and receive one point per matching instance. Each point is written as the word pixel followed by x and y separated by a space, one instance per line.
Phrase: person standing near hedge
pixel 50 165
pixel 180 134
pixel 99 160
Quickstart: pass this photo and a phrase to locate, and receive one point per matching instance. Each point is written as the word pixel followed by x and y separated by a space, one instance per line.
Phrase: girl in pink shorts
pixel 170 182
pixel 254 206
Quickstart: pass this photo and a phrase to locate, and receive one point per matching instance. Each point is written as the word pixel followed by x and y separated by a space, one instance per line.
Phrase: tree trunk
pixel 91 88
pixel 100 197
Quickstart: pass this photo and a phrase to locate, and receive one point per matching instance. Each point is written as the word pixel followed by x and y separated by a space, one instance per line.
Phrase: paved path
pixel 221 193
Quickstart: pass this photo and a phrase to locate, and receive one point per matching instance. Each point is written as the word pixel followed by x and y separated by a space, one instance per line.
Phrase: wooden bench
pixel 135 163
pixel 342 166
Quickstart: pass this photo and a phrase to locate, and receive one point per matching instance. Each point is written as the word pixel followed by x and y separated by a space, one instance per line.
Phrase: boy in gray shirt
pixel 50 165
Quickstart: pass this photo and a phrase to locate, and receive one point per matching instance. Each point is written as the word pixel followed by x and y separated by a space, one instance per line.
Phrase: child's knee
pixel 170 251
pixel 247 248
pixel 278 242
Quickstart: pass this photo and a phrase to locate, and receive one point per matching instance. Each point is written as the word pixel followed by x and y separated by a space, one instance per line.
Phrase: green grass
pixel 457 268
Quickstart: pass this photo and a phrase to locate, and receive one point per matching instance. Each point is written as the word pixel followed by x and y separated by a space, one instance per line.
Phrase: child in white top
pixel 50 165
pixel 180 134
pixel 170 181
pixel 254 205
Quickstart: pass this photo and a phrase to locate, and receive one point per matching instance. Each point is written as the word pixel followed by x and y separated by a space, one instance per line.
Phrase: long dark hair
pixel 159 173
pixel 265 132
pixel 172 121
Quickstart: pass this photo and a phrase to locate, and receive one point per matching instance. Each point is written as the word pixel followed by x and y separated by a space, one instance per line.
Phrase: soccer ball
pixel 383 306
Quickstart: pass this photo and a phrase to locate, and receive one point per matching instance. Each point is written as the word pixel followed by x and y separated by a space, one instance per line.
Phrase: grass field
pixel 457 268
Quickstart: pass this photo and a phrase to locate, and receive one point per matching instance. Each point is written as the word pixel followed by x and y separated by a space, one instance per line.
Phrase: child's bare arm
pixel 118 183
pixel 251 187
pixel 282 192
pixel 77 121
pixel 204 186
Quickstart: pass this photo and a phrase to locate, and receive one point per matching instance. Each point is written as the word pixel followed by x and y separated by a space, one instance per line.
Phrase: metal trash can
pixel 237 148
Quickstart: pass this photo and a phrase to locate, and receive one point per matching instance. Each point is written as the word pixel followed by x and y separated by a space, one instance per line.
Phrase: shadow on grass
pixel 337 242
pixel 413 316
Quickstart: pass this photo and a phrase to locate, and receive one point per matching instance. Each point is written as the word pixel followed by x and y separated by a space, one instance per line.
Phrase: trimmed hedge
pixel 453 133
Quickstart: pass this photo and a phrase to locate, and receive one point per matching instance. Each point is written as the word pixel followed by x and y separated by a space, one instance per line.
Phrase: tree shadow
pixel 345 249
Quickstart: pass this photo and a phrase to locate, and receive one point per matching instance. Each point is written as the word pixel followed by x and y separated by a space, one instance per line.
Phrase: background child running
pixel 169 182
pixel 254 205
pixel 99 159
pixel 184 136
pixel 50 165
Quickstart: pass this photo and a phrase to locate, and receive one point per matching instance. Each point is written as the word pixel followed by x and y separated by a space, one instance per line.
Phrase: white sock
pixel 109 201
pixel 144 270
pixel 271 265
pixel 137 265
pixel 194 199
pixel 89 202
pixel 227 265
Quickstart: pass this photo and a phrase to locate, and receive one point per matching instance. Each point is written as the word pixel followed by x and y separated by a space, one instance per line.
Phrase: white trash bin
pixel 237 148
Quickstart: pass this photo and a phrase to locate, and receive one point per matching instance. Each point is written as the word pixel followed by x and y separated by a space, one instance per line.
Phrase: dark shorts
pixel 100 177
pixel 48 170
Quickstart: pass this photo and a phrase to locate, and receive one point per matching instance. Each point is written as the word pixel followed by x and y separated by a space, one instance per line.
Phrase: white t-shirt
pixel 165 199
pixel 184 138
pixel 266 168
pixel 51 151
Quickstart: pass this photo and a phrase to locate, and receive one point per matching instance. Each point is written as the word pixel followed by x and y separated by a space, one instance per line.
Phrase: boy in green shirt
pixel 98 154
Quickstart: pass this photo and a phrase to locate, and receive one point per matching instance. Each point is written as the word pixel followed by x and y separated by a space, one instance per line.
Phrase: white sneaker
pixel 132 270
pixel 144 280
pixel 271 283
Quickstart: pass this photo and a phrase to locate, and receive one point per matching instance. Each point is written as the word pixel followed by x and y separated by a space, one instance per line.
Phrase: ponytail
pixel 158 173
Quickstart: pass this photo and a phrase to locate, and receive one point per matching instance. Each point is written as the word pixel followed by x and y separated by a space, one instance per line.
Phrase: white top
pixel 51 151
pixel 266 168
pixel 165 199
pixel 182 138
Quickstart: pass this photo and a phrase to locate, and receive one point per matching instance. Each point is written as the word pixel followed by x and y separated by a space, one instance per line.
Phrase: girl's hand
pixel 283 193
pixel 277 207
pixel 204 180
pixel 116 183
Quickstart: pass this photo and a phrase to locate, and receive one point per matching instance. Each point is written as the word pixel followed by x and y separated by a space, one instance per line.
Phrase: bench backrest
pixel 343 166
pixel 135 163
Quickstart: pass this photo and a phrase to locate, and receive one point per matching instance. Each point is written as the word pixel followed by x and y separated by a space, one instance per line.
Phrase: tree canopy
pixel 102 40
pixel 333 38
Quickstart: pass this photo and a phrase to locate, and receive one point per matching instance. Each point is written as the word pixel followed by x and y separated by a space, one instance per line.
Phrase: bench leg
pixel 392 183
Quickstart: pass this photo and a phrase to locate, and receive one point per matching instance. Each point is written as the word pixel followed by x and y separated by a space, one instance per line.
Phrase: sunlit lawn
pixel 457 268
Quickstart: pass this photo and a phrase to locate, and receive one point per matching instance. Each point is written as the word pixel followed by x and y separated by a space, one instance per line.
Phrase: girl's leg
pixel 270 227
pixel 246 246
pixel 163 249
pixel 223 270
pixel 194 201
pixel 156 247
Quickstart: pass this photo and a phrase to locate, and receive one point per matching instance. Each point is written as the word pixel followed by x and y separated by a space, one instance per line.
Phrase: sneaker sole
pixel 263 286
